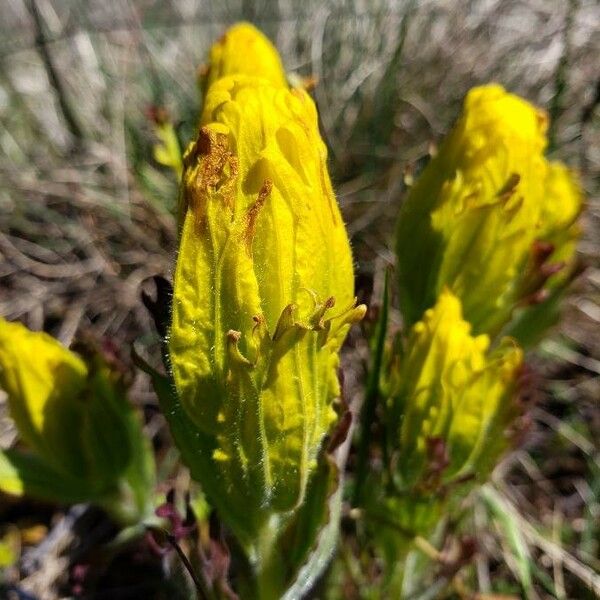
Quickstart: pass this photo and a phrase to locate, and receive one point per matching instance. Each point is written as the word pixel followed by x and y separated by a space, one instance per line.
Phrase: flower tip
pixel 244 49
pixel 492 106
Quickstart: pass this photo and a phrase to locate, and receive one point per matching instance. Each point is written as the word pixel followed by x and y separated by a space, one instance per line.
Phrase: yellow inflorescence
pixel 453 399
pixel 474 217
pixel 263 294
pixel 44 382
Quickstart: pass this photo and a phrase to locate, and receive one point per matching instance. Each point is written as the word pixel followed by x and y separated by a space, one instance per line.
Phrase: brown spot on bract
pixel 253 212
pixel 210 169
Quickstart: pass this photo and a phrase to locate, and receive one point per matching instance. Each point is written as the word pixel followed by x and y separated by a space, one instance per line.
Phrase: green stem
pixel 125 507
pixel 269 567
pixel 368 412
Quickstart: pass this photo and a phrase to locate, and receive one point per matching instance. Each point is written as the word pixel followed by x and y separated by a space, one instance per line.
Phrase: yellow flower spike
pixel 84 442
pixel 453 400
pixel 263 299
pixel 244 50
pixel 43 381
pixel 475 215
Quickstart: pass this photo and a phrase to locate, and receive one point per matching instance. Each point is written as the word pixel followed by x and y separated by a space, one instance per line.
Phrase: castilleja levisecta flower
pixel 489 217
pixel 263 298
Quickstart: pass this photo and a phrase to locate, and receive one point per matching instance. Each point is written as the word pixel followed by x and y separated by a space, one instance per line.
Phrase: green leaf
pixel 105 435
pixel 141 472
pixel 9 549
pixel 26 474
pixel 504 517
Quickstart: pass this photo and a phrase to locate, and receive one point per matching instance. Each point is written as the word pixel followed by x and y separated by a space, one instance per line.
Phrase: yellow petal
pixel 563 205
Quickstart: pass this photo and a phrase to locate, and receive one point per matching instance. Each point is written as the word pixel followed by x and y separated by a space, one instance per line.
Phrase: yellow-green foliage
pixel 45 384
pixel 167 151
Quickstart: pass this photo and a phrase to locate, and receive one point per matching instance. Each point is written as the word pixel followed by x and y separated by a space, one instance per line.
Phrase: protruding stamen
pixel 233 338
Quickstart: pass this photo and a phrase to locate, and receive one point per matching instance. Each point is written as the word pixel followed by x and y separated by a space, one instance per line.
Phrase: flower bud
pixel 44 382
pixel 263 299
pixel 452 402
pixel 73 416
pixel 244 50
pixel 476 217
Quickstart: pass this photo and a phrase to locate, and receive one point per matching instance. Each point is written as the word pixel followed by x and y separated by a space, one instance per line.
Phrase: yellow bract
pixel 564 201
pixel 473 217
pixel 244 50
pixel 263 296
pixel 452 400
pixel 43 381
pixel 83 441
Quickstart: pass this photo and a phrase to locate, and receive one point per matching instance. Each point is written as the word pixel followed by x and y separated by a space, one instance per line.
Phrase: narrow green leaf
pixel 504 517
